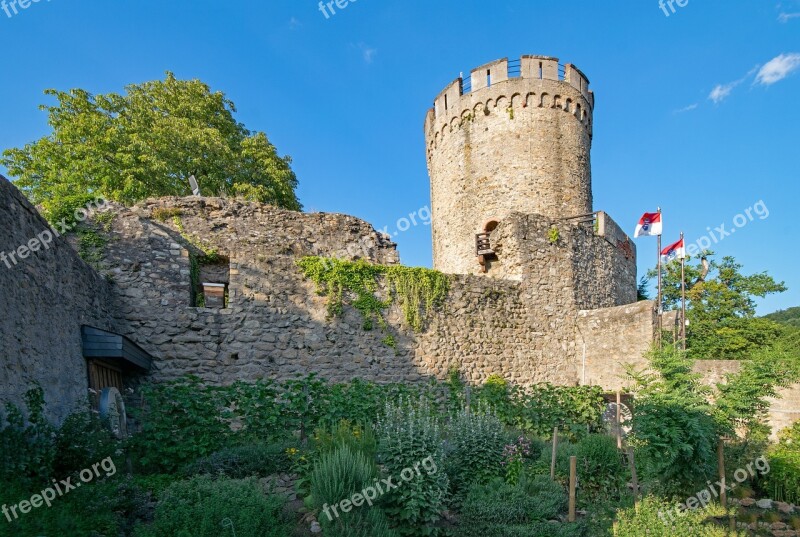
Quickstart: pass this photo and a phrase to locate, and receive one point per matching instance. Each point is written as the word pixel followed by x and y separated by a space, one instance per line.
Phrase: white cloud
pixel 786 17
pixel 686 108
pixel 722 91
pixel 778 68
pixel 368 52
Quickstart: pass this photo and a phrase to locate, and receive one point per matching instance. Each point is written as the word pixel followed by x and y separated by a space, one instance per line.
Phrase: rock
pixel 315 527
pixel 764 504
pixel 747 502
pixel 784 507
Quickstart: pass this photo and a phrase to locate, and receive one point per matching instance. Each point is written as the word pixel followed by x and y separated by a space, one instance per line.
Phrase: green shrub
pixel 83 440
pixel 500 508
pixel 782 483
pixel 203 507
pixel 259 460
pixel 337 476
pixel 474 450
pixel 27 451
pixel 600 467
pixel 409 435
pixel 357 437
pixel 645 520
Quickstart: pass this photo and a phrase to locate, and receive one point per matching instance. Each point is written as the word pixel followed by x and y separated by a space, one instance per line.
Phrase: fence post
pixel 619 419
pixel 634 479
pixel 723 496
pixel 573 478
pixel 553 461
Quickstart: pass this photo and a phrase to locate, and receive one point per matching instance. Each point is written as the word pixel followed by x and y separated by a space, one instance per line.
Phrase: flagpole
pixel 683 297
pixel 660 321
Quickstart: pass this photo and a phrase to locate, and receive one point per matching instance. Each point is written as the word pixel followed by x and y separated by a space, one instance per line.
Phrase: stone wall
pixel 521 144
pixel 276 325
pixel 785 409
pixel 563 258
pixel 47 296
pixel 609 338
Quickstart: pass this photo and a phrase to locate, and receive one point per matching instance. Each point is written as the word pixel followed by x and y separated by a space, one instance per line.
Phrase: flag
pixel 649 225
pixel 673 251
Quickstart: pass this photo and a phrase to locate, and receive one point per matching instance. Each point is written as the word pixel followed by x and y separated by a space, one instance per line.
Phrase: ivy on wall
pixel 417 290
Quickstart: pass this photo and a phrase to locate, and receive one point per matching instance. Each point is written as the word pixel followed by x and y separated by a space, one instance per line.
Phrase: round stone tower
pixel 516 137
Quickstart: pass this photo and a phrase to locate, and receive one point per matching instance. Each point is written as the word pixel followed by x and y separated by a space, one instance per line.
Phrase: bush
pixel 782 483
pixel 259 460
pixel 203 507
pixel 600 467
pixel 500 509
pixel 357 437
pixel 337 476
pixel 474 451
pixel 408 435
pixel 27 451
pixel 82 441
pixel 645 520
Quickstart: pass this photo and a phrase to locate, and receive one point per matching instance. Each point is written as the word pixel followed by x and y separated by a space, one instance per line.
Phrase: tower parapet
pixel 515 136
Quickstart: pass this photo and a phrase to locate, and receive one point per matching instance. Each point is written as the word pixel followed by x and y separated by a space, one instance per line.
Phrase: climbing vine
pixel 417 290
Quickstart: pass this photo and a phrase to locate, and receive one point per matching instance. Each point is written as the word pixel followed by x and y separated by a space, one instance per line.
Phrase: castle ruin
pixel 543 287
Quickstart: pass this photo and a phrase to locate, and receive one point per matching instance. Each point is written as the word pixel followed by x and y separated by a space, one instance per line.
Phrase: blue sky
pixel 696 111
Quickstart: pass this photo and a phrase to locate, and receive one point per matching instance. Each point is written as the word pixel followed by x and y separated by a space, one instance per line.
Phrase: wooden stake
pixel 573 478
pixel 553 462
pixel 619 419
pixel 723 496
pixel 634 479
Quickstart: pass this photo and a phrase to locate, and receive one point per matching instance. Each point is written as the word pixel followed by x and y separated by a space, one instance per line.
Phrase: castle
pixel 543 288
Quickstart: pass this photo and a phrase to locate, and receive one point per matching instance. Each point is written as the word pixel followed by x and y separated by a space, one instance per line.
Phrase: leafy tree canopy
pixel 146 143
pixel 789 317
pixel 721 308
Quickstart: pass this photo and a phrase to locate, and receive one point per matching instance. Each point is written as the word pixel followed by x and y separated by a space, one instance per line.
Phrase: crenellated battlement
pixel 532 81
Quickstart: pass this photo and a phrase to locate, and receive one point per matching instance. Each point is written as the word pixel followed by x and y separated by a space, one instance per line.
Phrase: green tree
pixel 146 143
pixel 721 307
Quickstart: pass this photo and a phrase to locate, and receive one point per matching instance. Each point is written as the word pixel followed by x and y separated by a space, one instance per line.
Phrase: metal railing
pixel 514 71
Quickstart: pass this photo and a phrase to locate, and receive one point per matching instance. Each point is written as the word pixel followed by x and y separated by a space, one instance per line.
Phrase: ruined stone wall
pixel 520 144
pixel 609 338
pixel 571 265
pixel 46 297
pixel 276 325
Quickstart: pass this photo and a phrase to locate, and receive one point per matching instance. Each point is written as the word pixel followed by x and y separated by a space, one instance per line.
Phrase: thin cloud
pixel 778 68
pixel 786 17
pixel 294 23
pixel 722 91
pixel 367 52
pixel 686 108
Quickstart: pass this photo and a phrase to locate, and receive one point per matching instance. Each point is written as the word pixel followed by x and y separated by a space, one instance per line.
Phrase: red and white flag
pixel 649 225
pixel 673 251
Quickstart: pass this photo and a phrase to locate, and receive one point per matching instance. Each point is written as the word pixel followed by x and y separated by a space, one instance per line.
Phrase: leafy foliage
pixel 409 434
pixel 788 317
pixel 259 460
pixel 675 433
pixel 203 507
pixel 600 465
pixel 474 450
pixel 418 290
pixel 27 450
pixel 645 520
pixel 721 308
pixel 782 482
pixel 337 476
pixel 499 509
pixel 146 143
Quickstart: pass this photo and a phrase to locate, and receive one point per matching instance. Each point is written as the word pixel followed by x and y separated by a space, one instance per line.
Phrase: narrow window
pixel 541 70
pixel 445 101
pixel 488 78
